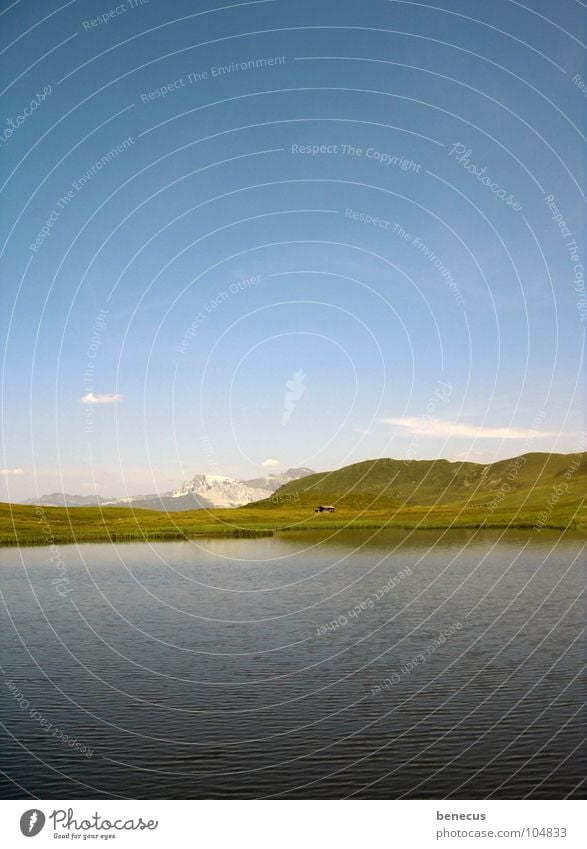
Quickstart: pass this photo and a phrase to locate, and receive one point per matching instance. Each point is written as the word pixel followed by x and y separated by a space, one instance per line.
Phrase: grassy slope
pixel 440 482
pixel 427 494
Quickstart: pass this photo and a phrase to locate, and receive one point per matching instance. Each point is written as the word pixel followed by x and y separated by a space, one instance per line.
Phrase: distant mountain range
pixel 200 492
pixel 65 499
pixel 518 484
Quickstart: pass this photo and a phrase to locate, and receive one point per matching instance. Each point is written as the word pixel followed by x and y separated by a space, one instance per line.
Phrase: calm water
pixel 213 669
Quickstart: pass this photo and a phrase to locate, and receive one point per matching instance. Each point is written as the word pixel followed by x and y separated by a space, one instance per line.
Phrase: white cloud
pixel 270 462
pixel 90 398
pixel 9 472
pixel 424 426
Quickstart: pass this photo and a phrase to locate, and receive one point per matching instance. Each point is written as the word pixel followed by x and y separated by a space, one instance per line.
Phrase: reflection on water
pixel 369 664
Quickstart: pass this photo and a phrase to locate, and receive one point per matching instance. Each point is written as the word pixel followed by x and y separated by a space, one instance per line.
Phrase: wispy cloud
pixel 270 462
pixel 10 472
pixel 91 398
pixel 422 426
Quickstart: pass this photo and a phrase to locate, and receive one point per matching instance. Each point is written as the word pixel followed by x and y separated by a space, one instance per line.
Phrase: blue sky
pixel 361 214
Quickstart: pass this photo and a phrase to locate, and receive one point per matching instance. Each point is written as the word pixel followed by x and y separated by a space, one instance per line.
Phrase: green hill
pixel 526 480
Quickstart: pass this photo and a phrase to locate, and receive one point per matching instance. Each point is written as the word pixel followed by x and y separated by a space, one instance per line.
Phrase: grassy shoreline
pixel 49 532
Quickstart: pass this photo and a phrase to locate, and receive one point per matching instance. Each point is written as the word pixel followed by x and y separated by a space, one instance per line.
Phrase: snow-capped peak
pixel 221 491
